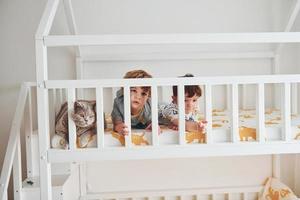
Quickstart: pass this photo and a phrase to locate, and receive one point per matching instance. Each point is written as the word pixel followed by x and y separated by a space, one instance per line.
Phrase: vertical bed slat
pixel 154 112
pixel 208 113
pixel 55 102
pixel 28 134
pixel 260 110
pixel 60 96
pixel 181 109
pixel 234 114
pixel 17 170
pixel 82 179
pixel 43 118
pixel 213 196
pixel 100 118
pixel 228 97
pixel 229 196
pixel 244 96
pixel 294 98
pixel 286 107
pixel 5 195
pixel 245 196
pixel 72 127
pixel 127 115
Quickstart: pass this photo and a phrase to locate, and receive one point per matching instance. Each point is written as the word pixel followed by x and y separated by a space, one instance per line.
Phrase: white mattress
pixel 221 128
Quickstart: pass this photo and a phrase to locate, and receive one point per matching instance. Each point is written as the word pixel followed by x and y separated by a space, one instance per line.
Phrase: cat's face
pixel 84 113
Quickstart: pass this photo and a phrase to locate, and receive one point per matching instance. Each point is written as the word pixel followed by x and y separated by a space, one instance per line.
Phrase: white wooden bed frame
pixel 129 152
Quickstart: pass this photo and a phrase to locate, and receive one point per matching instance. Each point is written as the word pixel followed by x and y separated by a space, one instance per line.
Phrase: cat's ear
pixel 94 105
pixel 77 105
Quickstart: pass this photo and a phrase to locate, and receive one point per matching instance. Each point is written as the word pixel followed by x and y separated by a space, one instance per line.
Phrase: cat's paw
pixel 84 140
pixel 59 142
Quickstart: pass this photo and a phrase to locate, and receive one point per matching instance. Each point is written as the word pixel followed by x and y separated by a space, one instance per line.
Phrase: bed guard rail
pixel 232 81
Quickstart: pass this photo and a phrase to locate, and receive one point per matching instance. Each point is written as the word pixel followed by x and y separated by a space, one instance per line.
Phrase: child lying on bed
pixel 168 114
pixel 139 102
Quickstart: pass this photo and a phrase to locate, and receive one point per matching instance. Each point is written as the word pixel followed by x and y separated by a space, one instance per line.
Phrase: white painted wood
pixel 154 112
pixel 17 170
pixel 245 196
pixel 166 193
pixel 234 114
pixel 276 166
pixel 5 196
pixel 71 21
pixel 293 17
pixel 47 19
pixel 290 23
pixel 181 113
pixel 200 38
pixel 176 56
pixel 276 89
pixel 54 103
pixel 244 96
pixel 100 118
pixel 228 97
pixel 28 135
pixel 286 111
pixel 127 115
pixel 79 76
pixel 82 177
pixel 260 110
pixel 43 120
pixel 175 151
pixel 61 96
pixel 229 196
pixel 294 96
pixel 71 124
pixel 208 113
pixel 219 80
pixel 213 196
pixel 12 142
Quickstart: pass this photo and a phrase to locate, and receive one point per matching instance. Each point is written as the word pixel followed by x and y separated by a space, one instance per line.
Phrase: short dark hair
pixel 189 90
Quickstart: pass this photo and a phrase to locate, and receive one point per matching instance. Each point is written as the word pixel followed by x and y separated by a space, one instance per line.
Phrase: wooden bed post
pixel 43 120
pixel 42 98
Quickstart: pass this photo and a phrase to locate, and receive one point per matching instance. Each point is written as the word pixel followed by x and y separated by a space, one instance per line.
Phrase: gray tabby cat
pixel 84 117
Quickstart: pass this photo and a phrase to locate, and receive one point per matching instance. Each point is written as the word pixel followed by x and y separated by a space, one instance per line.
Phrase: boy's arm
pixel 117 118
pixel 191 125
pixel 120 127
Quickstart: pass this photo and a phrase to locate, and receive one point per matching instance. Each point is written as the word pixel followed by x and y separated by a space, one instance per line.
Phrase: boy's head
pixel 138 95
pixel 192 94
pixel 137 74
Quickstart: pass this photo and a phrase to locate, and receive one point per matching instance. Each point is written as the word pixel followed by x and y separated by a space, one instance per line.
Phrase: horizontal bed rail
pixel 184 38
pixel 182 193
pixel 172 151
pixel 215 80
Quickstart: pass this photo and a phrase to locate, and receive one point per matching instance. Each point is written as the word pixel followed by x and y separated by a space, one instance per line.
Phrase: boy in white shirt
pixel 168 114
